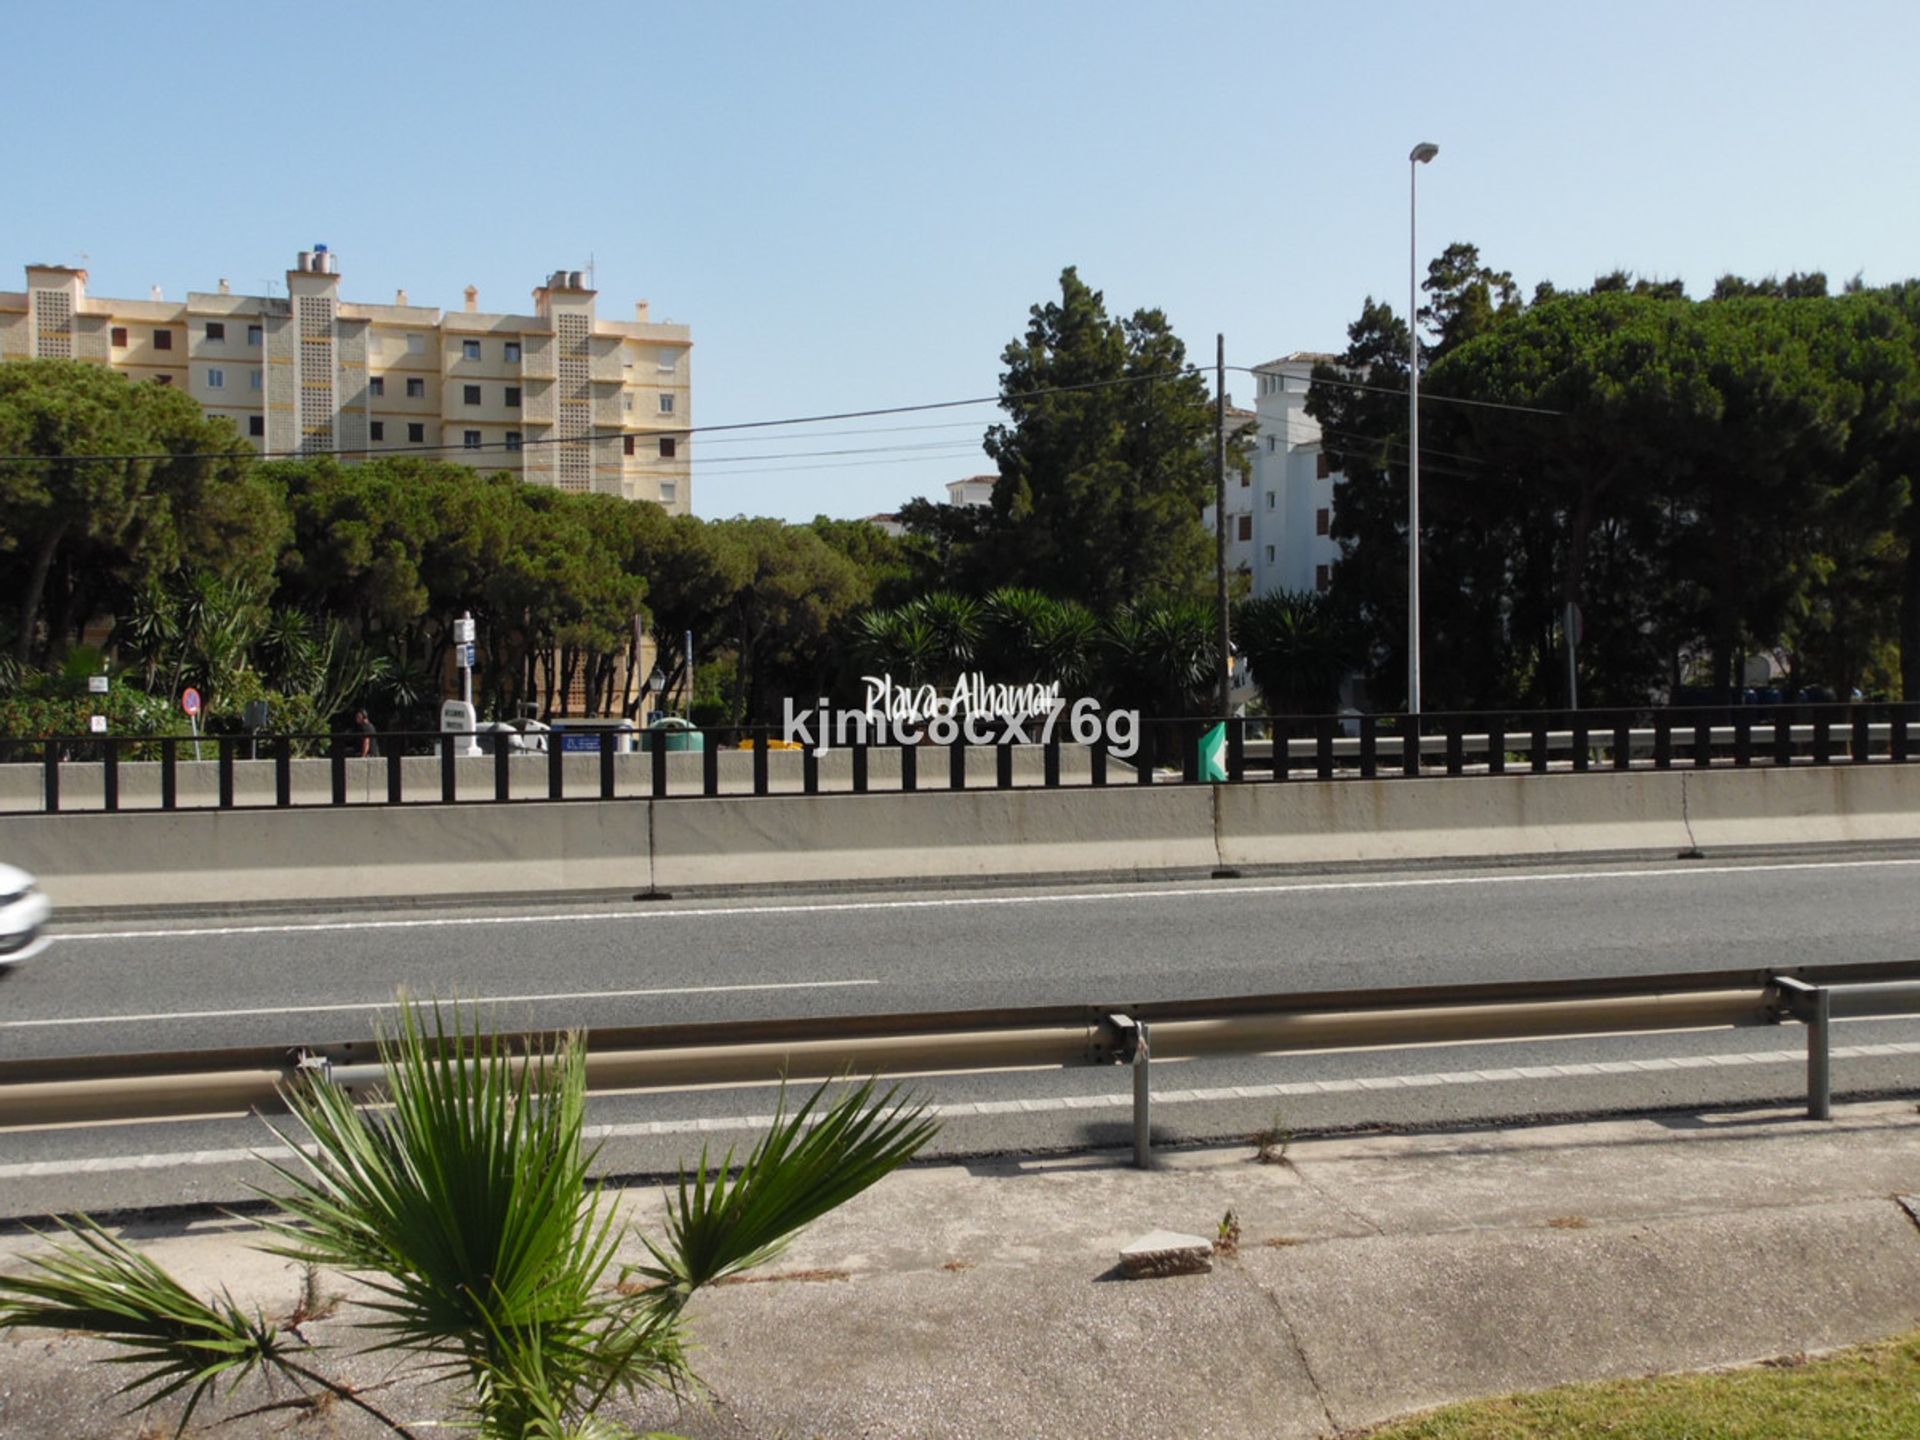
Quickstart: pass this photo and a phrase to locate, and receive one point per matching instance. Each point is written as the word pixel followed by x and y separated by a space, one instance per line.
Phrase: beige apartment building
pixel 559 396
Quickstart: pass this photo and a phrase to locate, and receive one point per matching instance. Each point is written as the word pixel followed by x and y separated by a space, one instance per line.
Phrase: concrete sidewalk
pixel 1376 1275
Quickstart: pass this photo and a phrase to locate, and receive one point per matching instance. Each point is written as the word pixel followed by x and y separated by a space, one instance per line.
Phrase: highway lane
pixel 294 979
pixel 193 983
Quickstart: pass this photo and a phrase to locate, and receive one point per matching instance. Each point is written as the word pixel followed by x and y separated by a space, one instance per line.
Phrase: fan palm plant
pixel 462 1201
pixel 1299 649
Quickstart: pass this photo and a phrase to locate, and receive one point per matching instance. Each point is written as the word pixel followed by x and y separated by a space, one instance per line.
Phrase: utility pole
pixel 1225 660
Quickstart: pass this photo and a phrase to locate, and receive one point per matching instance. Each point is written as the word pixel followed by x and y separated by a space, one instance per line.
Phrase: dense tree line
pixel 1702 481
pixel 317 585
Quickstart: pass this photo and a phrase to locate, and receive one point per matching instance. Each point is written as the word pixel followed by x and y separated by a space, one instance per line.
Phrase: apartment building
pixel 1240 501
pixel 559 396
pixel 1292 547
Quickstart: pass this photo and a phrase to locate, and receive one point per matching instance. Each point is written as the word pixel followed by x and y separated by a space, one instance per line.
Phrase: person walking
pixel 363 727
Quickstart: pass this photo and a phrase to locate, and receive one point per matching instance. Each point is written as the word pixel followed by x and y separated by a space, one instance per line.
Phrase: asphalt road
pixel 301 979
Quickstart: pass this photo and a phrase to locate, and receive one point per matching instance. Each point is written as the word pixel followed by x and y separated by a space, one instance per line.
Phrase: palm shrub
pixel 1299 649
pixel 1030 636
pixel 460 1197
pixel 1158 657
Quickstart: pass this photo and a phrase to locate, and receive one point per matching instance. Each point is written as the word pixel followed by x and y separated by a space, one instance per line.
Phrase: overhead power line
pixel 594 437
pixel 1426 396
pixel 733 429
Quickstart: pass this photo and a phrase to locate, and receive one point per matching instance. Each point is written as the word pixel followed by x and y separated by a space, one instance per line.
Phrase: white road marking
pixel 463 1000
pixel 958 902
pixel 1117 1098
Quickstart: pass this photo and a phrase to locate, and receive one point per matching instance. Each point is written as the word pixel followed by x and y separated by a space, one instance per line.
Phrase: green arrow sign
pixel 1213 753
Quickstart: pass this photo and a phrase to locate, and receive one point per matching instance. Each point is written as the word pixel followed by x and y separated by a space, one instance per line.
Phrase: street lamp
pixel 1418 156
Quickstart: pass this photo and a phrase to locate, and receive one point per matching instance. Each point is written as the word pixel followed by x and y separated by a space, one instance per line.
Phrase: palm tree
pixel 462 1199
pixel 1032 637
pixel 900 643
pixel 1298 648
pixel 956 624
pixel 1158 657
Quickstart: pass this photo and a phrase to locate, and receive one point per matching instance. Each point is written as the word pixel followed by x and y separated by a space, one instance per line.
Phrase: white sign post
pixel 463 654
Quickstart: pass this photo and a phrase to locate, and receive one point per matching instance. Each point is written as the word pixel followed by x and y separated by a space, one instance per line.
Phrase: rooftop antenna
pixel 592 284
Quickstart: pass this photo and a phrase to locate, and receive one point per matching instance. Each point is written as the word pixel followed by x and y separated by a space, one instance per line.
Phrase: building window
pixel 627 444
pixel 1270 444
pixel 1322 576
pixel 1269 554
pixel 666 404
pixel 163 379
pixel 416 344
pixel 377 430
pixel 470 439
pixel 377 385
pixel 513 352
pixel 216 379
pixel 416 388
pixel 1322 465
pixel 513 397
pixel 255 379
pixel 1270 499
pixel 416 434
pixel 119 337
pixel 513 440
pixel 666 447
pixel 163 339
pixel 471 394
pixel 469 349
pixel 1322 519
pixel 668 359
pixel 216 330
pixel 1246 527
pixel 626 403
pixel 1246 478
pixel 668 489
pixel 257 425
pixel 253 334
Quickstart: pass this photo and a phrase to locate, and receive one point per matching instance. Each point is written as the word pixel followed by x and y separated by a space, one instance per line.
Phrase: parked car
pixel 24 912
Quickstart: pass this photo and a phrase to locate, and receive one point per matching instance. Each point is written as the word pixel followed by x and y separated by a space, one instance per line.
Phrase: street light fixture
pixel 1420 155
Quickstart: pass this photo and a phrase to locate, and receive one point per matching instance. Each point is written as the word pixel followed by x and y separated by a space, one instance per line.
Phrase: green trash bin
pixel 670 732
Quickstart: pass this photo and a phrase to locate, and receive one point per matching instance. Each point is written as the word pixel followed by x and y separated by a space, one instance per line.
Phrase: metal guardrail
pixel 73 1090
pixel 117 773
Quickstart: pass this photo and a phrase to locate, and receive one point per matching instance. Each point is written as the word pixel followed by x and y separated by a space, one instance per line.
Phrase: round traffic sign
pixel 190 701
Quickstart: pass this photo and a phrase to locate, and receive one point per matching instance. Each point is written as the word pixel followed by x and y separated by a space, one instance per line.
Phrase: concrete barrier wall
pixel 1385 820
pixel 375 852
pixel 780 839
pixel 1835 804
pixel 1521 815
pixel 240 856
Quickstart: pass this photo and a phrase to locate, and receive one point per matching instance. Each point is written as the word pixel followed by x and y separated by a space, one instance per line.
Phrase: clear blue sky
pixel 854 204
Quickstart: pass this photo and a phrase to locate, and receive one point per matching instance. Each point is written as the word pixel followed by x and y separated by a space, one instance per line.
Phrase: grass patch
pixel 1868 1393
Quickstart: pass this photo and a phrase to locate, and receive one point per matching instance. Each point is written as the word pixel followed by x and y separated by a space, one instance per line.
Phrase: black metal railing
pixel 127 772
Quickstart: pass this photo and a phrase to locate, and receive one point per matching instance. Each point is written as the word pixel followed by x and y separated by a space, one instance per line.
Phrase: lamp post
pixel 1418 156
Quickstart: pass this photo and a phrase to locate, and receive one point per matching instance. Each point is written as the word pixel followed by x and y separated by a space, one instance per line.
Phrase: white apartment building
pixel 1293 482
pixel 974 490
pixel 560 396
pixel 1240 500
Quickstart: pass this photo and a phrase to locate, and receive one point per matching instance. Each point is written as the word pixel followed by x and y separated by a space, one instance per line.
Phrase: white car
pixel 24 912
